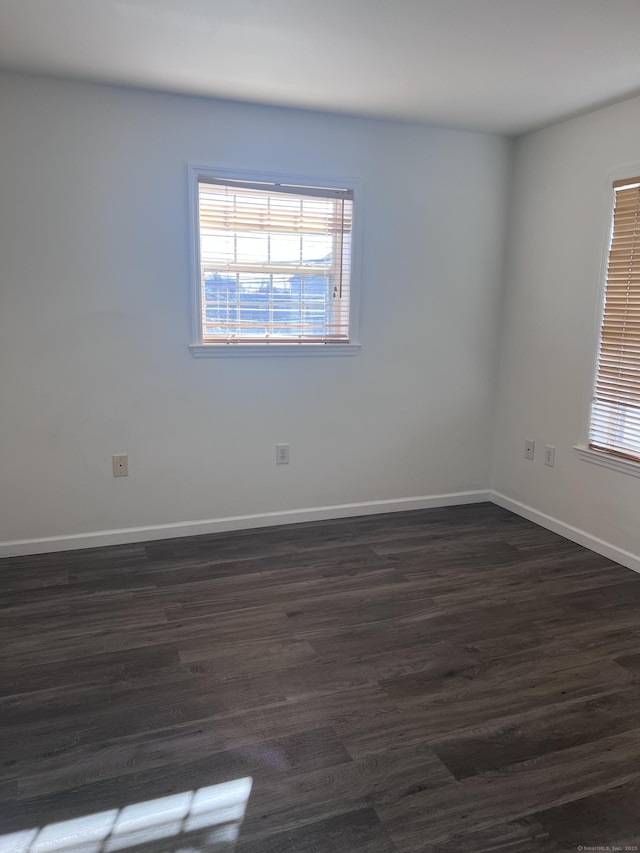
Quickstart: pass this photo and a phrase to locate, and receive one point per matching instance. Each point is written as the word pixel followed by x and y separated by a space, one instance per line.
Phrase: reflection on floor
pixel 206 819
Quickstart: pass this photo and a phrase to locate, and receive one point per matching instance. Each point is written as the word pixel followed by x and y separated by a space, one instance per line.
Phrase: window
pixel 615 409
pixel 273 271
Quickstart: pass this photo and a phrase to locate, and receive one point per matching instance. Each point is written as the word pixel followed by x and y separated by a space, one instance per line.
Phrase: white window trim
pixel 198 348
pixel 586 453
pixel 607 460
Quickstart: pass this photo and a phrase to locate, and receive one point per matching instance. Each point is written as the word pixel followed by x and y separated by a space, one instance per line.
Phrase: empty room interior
pixel 320 426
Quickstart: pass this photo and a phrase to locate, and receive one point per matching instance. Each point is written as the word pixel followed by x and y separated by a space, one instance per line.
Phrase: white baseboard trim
pixel 130 535
pixel 575 534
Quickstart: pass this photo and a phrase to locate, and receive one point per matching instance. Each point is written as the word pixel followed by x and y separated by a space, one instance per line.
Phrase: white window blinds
pixel 274 262
pixel 615 410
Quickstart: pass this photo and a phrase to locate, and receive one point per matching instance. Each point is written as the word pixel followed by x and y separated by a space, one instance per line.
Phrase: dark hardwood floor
pixel 447 680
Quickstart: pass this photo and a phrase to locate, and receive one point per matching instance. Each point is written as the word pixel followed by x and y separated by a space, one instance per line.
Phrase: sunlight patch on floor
pixel 214 813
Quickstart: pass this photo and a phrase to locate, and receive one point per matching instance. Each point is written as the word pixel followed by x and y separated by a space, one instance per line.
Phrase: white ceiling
pixel 500 65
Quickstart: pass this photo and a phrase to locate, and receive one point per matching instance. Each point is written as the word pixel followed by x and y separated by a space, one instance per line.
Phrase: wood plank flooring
pixel 440 681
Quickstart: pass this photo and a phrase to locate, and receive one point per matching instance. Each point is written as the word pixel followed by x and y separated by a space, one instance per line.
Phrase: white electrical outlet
pixel 120 464
pixel 549 455
pixel 282 454
pixel 529 449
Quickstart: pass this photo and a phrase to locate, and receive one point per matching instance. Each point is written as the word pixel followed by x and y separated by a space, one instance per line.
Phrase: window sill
pixel 262 350
pixel 607 461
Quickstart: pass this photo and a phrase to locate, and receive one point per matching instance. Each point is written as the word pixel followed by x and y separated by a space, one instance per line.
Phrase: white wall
pixel 94 316
pixel 557 228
